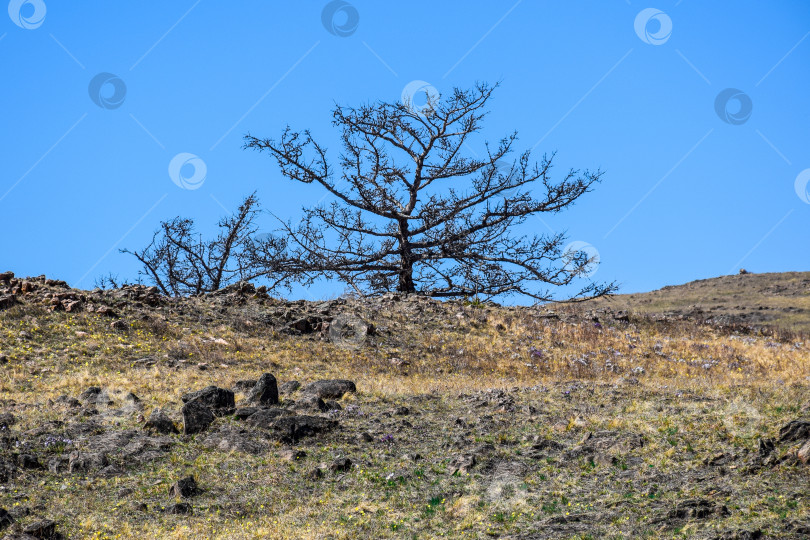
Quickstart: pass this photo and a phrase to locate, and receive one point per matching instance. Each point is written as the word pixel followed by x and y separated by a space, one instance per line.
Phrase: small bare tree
pixel 414 215
pixel 180 262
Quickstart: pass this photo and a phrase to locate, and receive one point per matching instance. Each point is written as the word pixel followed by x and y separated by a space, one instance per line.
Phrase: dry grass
pixel 700 391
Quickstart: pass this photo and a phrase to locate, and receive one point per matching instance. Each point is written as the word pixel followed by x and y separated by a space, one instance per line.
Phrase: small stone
pixel 289 387
pixel 5 519
pixel 341 465
pixel 293 455
pixel 330 389
pixel 179 508
pixel 160 422
pixel 804 453
pixel 310 402
pixel 184 488
pixel 44 529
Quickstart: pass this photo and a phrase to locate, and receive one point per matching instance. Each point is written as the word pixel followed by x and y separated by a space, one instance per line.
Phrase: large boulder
pixel 330 389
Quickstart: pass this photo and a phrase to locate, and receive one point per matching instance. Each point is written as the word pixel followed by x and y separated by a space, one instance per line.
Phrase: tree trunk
pixel 405 284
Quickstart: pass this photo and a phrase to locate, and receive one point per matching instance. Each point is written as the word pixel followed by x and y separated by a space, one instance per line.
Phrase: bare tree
pixel 413 214
pixel 180 262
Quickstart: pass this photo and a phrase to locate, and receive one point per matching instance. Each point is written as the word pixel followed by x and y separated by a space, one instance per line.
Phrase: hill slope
pixel 776 299
pixel 457 420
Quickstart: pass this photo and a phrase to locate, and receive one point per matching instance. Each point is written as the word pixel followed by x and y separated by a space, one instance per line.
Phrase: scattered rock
pixel 740 535
pixel 179 508
pixel 342 464
pixel 289 387
pixel 231 439
pixel 84 462
pixel 28 461
pixel 44 529
pixel 95 396
pixel 7 300
pixel 265 392
pixel 160 422
pixel 330 389
pixel 265 418
pixel 7 420
pixel 697 509
pixel 461 464
pixel 804 452
pixel 212 397
pixel 794 430
pixel 5 519
pixel 310 402
pixel 291 454
pixel 196 417
pixel 291 429
pixel 243 413
pixel 184 488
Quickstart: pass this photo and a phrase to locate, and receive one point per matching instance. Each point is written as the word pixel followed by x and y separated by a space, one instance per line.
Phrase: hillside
pixel 778 300
pixel 127 414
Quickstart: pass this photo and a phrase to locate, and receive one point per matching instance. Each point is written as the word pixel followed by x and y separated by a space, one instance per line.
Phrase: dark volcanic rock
pixel 84 462
pixel 212 397
pixel 330 389
pixel 5 519
pixel 196 417
pixel 341 465
pixel 45 529
pixel 160 422
pixel 179 508
pixel 289 387
pixel 740 535
pixel 265 392
pixel 293 428
pixel 697 509
pixel 310 402
pixel 184 488
pixel 231 439
pixel 794 430
pixel 265 418
pixel 243 413
pixel 95 396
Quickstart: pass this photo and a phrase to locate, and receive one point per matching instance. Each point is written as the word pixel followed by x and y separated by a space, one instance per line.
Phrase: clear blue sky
pixel 686 194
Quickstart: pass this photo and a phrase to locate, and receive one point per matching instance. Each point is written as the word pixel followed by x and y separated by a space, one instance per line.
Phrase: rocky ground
pixel 771 300
pixel 235 415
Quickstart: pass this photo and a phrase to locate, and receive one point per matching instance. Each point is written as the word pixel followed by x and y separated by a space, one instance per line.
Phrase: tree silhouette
pixel 413 214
